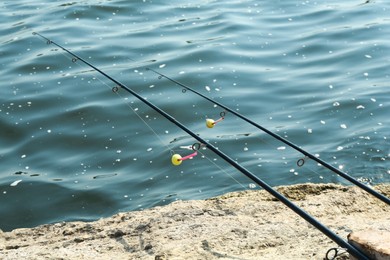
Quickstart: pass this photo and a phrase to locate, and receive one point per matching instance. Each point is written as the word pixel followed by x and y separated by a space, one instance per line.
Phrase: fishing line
pixel 177 159
pixel 115 90
pixel 306 154
pixel 169 148
pixel 223 170
pixel 326 231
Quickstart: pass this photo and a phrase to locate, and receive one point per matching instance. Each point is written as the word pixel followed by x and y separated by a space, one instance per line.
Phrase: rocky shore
pixel 238 225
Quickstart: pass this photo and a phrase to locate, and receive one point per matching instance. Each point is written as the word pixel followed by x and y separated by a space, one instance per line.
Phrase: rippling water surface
pixel 316 73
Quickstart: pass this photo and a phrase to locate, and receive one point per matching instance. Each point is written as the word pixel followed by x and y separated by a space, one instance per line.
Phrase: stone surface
pixel 240 225
pixel 374 243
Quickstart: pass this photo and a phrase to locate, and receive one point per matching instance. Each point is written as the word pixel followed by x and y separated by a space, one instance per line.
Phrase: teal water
pixel 316 73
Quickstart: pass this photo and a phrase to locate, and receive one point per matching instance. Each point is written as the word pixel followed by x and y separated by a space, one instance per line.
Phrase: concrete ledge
pixel 247 225
pixel 375 244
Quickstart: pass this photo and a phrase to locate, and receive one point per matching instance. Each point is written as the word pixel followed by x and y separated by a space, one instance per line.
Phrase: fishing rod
pixel 326 231
pixel 210 123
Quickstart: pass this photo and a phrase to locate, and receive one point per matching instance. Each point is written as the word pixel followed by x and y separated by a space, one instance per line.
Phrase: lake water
pixel 314 72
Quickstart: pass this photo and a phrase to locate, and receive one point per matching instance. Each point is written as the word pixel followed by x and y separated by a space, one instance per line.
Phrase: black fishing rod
pixel 329 233
pixel 300 162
